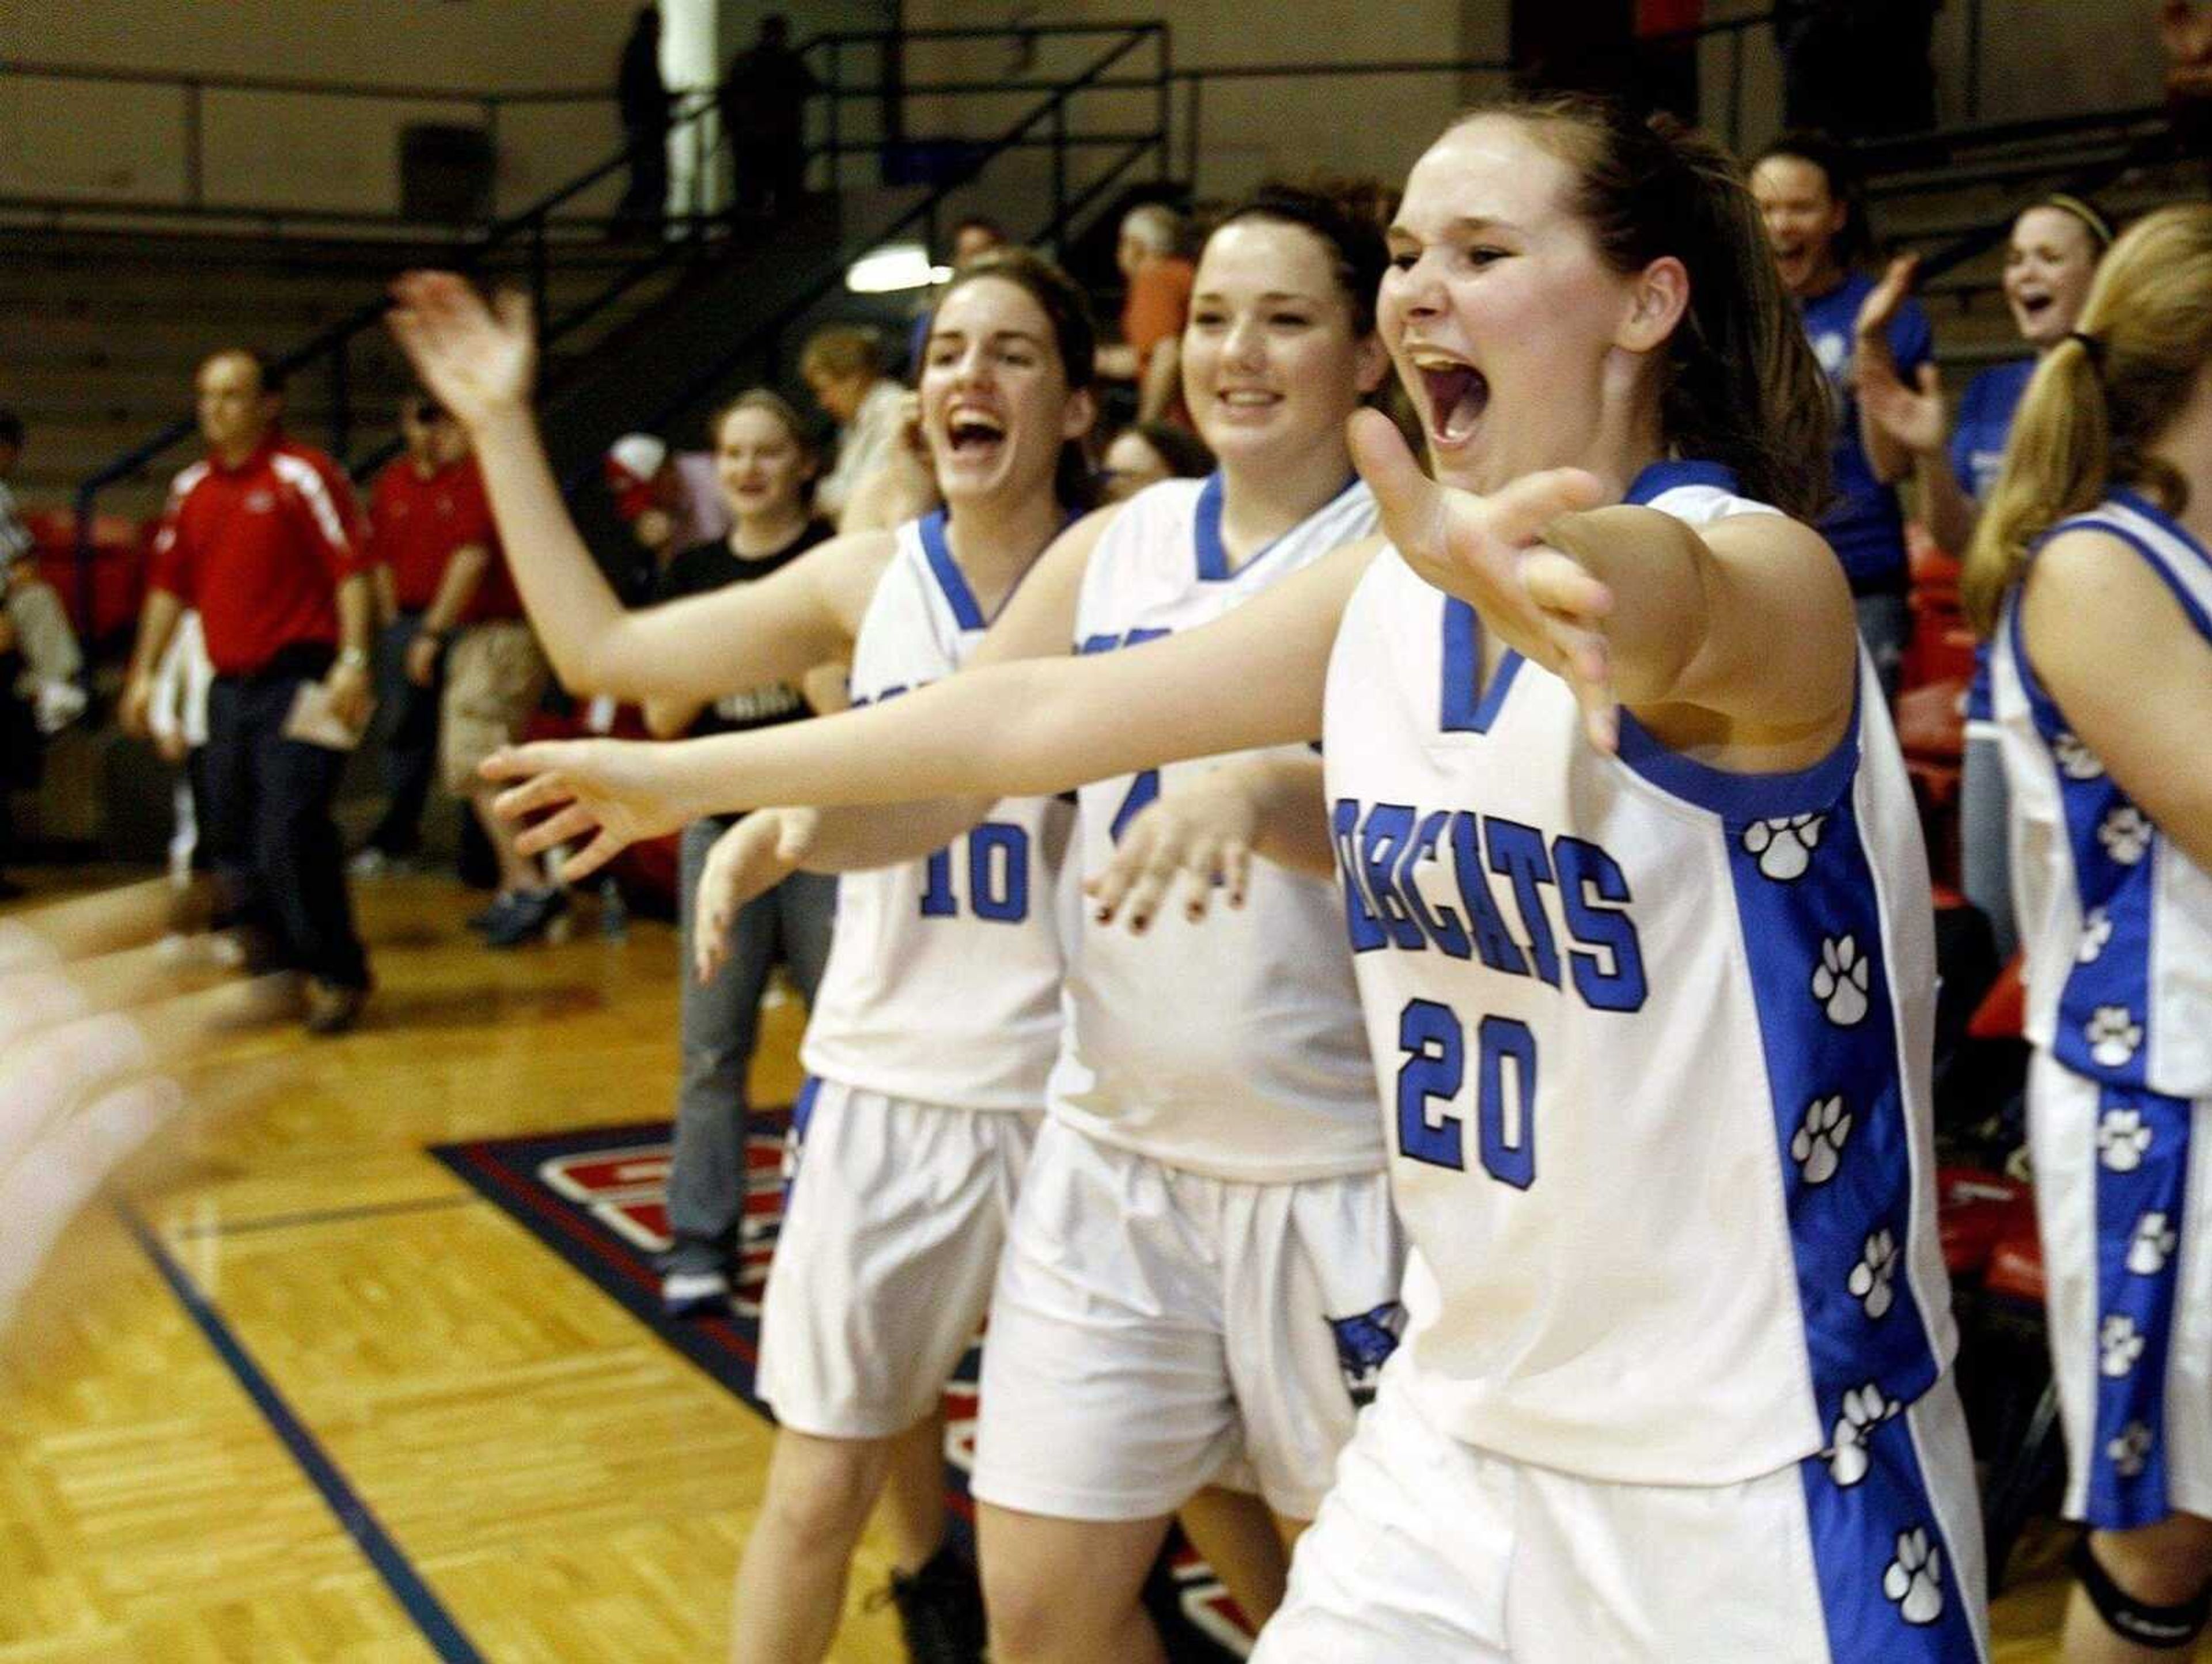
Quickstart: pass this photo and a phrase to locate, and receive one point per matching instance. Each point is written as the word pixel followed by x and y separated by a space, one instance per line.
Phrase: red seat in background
pixel 118 569
pixel 1977 1212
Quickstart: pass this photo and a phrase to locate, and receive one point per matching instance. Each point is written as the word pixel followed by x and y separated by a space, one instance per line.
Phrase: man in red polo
pixel 260 536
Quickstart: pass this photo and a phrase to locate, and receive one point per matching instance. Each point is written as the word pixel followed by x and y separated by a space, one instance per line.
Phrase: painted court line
pixel 329 1216
pixel 399 1576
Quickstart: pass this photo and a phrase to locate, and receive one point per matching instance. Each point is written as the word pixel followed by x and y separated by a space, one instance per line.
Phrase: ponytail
pixel 2100 401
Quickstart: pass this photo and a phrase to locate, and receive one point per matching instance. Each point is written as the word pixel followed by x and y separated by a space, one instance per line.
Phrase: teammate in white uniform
pixel 938 1018
pixel 2092 559
pixel 1205 1263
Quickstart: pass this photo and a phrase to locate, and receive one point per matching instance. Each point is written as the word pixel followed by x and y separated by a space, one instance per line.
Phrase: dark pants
pixel 408 718
pixel 645 201
pixel 706 1176
pixel 1885 626
pixel 269 831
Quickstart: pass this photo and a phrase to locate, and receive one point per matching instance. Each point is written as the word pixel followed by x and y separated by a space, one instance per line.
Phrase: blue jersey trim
pixel 2137 1299
pixel 1672 474
pixel 950 578
pixel 1465 707
pixel 1736 797
pixel 2190 604
pixel 1213 567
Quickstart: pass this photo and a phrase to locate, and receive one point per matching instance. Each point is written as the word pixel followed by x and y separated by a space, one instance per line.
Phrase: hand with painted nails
pixel 1194 839
pixel 747 861
pixel 1502 553
pixel 614 792
pixel 97 1022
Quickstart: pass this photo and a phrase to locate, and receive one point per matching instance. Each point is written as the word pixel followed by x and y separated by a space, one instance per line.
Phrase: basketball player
pixel 1212 1093
pixel 2092 559
pixel 918 1119
pixel 1639 911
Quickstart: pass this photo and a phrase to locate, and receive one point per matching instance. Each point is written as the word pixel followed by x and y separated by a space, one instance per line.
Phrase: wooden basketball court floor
pixel 294 1392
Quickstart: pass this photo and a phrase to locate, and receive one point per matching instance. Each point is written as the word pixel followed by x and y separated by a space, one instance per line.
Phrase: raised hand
pixel 750 859
pixel 1913 415
pixel 477 360
pixel 1490 552
pixel 1885 300
pixel 1201 832
pixel 615 792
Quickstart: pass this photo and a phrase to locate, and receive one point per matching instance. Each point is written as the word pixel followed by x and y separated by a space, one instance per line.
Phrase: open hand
pixel 750 859
pixel 1200 831
pixel 615 792
pixel 479 360
pixel 1490 552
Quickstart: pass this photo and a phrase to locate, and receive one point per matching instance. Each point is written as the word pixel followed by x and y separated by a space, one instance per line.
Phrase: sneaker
pixel 527 916
pixel 695 1294
pixel 332 1007
pixel 940 1610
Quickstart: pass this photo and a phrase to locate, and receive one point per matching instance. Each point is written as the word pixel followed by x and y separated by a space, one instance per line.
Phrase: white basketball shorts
pixel 892 1227
pixel 1429 1549
pixel 2124 1197
pixel 1150 1323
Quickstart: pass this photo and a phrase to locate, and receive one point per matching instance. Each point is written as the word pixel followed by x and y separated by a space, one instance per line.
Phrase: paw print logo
pixel 1784 847
pixel 2076 760
pixel 1914 1581
pixel 1872 1278
pixel 1840 980
pixel 2122 1140
pixel 2113 1035
pixel 2096 932
pixel 1817 1147
pixel 2129 1450
pixel 2125 833
pixel 2152 1246
pixel 1865 1408
pixel 2119 1344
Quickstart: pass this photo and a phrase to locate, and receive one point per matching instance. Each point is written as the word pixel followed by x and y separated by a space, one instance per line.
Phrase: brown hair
pixel 843 349
pixel 1741 385
pixel 776 404
pixel 1075 337
pixel 2100 398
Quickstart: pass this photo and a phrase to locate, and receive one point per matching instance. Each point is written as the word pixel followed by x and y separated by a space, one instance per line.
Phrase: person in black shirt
pixel 766 470
pixel 764 110
pixel 642 98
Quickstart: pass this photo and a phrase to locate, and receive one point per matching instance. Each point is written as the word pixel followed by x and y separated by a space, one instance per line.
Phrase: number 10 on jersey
pixel 1430 1082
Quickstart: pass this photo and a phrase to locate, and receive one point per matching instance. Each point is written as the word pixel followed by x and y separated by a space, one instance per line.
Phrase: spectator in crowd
pixel 766 467
pixel 973 237
pixel 1158 305
pixel 50 662
pixel 474 652
pixel 1145 452
pixel 669 499
pixel 416 512
pixel 260 538
pixel 642 98
pixel 842 364
pixel 2052 257
pixel 764 108
pixel 1808 197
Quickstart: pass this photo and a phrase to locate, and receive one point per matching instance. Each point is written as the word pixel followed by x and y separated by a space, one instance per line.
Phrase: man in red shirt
pixel 1150 353
pixel 474 643
pixel 422 514
pixel 261 538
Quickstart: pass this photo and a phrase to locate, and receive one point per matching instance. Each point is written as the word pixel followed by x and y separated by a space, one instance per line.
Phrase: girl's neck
pixel 764 534
pixel 2187 447
pixel 996 540
pixel 1262 501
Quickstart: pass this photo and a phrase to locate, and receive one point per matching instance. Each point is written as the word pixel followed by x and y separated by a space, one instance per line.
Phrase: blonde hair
pixel 2100 400
pixel 843 349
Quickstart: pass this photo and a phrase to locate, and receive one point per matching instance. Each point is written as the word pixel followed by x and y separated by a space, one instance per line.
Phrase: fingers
pixel 574 822
pixel 1558 583
pixel 1931 380
pixel 541 757
pixel 1110 888
pixel 33 999
pixel 512 307
pixel 583 863
pixel 549 791
pixel 1236 873
pixel 1520 512
pixel 1410 503
pixel 1588 668
pixel 795 830
pixel 1202 872
pixel 84 927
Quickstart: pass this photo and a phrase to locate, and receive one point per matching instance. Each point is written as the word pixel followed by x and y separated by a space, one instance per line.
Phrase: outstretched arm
pixel 1631 607
pixel 481 361
pixel 1251 679
pixel 1205 832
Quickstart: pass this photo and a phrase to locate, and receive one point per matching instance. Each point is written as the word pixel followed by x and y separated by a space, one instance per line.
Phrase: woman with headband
pixel 2055 243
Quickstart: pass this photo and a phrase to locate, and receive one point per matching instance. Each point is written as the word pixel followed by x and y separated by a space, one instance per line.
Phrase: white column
pixel 691 63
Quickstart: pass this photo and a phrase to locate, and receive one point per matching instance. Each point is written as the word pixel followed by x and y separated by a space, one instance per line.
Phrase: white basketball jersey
pixel 1653 1042
pixel 943 983
pixel 2116 919
pixel 1229 1048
